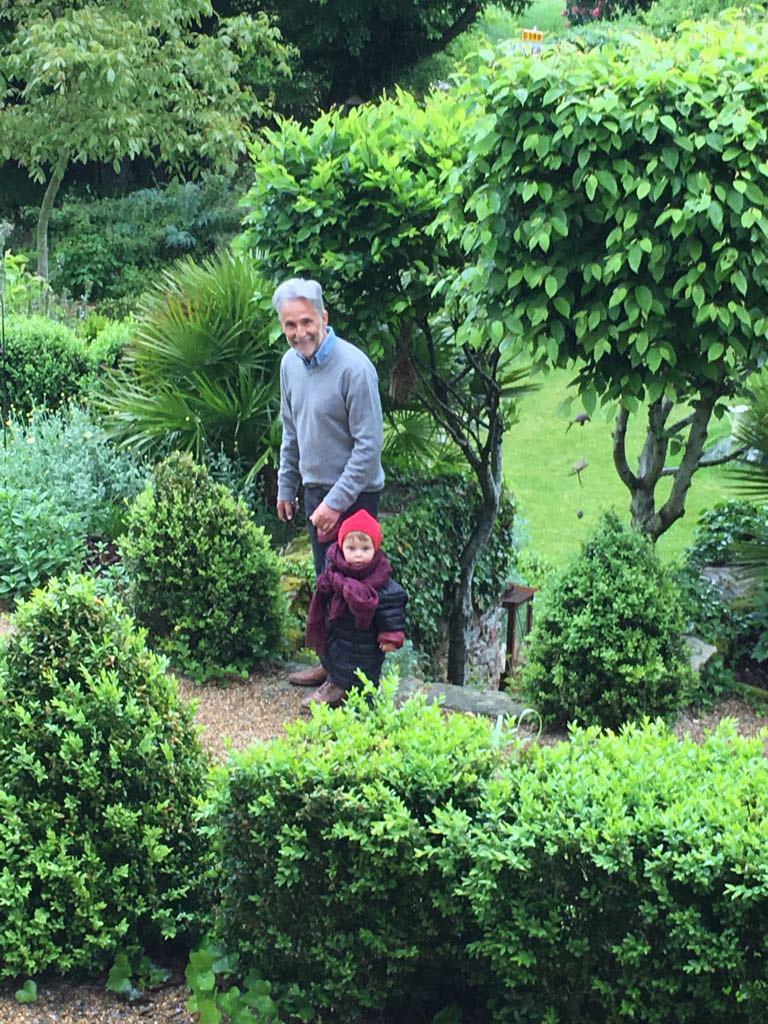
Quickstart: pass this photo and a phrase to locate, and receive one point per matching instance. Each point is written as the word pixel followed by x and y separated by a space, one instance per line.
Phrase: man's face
pixel 303 326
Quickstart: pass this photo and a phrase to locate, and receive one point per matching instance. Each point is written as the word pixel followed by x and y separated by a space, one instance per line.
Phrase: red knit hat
pixel 361 522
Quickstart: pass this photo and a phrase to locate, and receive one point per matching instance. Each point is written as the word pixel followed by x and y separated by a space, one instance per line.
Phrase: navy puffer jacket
pixel 350 648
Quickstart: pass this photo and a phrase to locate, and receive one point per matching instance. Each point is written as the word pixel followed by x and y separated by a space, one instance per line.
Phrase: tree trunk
pixel 45 216
pixel 461 612
pixel 646 518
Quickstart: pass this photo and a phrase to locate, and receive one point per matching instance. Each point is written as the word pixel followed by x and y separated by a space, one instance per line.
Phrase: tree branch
pixel 620 450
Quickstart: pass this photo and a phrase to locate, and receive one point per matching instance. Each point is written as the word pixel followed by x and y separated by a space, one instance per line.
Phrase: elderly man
pixel 332 426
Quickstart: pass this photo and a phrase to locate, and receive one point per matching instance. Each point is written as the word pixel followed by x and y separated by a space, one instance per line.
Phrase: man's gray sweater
pixel 332 426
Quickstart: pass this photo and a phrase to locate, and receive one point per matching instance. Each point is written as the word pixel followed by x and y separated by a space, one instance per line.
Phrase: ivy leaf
pixel 27 993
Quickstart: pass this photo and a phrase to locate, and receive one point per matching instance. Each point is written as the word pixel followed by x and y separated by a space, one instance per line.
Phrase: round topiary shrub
pixel 606 646
pixel 101 773
pixel 203 577
pixel 46 363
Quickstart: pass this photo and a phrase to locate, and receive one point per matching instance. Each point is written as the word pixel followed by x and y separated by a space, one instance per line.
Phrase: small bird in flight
pixel 581 418
pixel 577 469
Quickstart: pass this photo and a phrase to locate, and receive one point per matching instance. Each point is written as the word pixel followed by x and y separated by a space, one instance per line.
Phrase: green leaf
pixel 27 993
pixel 551 285
pixel 644 298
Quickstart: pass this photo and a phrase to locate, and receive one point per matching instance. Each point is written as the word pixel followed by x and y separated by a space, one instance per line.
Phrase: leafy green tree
pixel 352 201
pixel 359 48
pixel 122 78
pixel 617 224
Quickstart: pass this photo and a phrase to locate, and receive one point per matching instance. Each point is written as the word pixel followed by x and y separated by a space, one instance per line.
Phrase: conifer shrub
pixel 325 843
pixel 606 644
pixel 203 577
pixel 101 772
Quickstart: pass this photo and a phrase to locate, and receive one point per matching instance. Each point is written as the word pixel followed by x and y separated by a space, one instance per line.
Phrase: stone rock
pixel 699 652
pixel 729 581
pixel 490 703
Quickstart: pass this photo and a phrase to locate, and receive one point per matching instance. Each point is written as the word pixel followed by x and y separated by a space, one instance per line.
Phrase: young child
pixel 357 612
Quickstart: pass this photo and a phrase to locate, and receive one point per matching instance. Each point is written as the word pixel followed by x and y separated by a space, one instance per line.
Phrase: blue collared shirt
pixel 327 346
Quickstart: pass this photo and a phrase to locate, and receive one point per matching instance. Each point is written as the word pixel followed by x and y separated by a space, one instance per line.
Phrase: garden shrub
pixel 664 16
pixel 619 878
pixel 423 542
pixel 580 12
pixel 101 771
pixel 736 626
pixel 60 483
pixel 203 577
pixel 606 644
pixel 724 525
pixel 46 364
pixel 112 249
pixel 325 845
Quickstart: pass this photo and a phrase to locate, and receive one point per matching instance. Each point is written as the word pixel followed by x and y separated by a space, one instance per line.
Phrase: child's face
pixel 358 549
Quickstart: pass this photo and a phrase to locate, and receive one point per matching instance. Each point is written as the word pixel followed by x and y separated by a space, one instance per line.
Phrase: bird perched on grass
pixel 578 468
pixel 581 418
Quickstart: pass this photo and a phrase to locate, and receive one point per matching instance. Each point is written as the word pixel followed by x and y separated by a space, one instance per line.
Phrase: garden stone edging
pixel 493 703
pixel 490 703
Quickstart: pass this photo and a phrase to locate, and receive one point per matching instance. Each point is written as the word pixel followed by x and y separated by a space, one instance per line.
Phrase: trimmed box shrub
pixel 606 644
pixel 203 577
pixel 46 363
pixel 326 844
pixel 101 772
pixel 621 878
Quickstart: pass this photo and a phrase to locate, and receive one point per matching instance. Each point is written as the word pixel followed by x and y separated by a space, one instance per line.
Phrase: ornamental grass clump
pixel 101 772
pixel 203 577
pixel 606 645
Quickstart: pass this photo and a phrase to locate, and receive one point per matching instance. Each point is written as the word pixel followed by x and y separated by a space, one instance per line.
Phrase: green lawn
pixel 539 452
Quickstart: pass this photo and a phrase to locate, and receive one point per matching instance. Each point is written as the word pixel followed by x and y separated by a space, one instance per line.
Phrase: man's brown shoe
pixel 308 676
pixel 328 693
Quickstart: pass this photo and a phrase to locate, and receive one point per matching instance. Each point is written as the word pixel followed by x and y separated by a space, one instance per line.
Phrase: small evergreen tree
pixel 203 577
pixel 606 646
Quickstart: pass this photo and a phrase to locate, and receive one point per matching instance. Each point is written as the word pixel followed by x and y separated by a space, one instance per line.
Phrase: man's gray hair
pixel 299 288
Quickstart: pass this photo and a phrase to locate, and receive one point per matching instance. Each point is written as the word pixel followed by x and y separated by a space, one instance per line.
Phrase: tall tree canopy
pixel 359 48
pixel 121 78
pixel 617 223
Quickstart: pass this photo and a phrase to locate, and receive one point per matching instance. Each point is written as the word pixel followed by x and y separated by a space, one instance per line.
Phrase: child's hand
pixel 387 647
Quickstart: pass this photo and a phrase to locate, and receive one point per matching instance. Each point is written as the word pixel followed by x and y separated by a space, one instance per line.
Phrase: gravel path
pixel 232 717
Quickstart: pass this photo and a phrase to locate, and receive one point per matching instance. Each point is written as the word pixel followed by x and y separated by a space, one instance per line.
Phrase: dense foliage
pixel 394 858
pixel 100 773
pixel 613 879
pixel 46 363
pixel 112 249
pixel 422 541
pixel 579 12
pixel 616 222
pixel 203 577
pixel 202 369
pixel 122 78
pixel 353 51
pixel 326 846
pixel 60 483
pixel 606 644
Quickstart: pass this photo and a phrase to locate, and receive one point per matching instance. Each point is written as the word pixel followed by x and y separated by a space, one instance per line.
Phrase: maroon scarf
pixel 341 588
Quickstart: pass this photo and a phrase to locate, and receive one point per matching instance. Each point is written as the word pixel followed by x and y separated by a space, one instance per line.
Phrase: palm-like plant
pixel 202 369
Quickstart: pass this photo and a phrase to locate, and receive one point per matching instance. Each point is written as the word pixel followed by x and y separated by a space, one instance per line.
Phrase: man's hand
pixel 285 510
pixel 324 518
pixel 387 647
